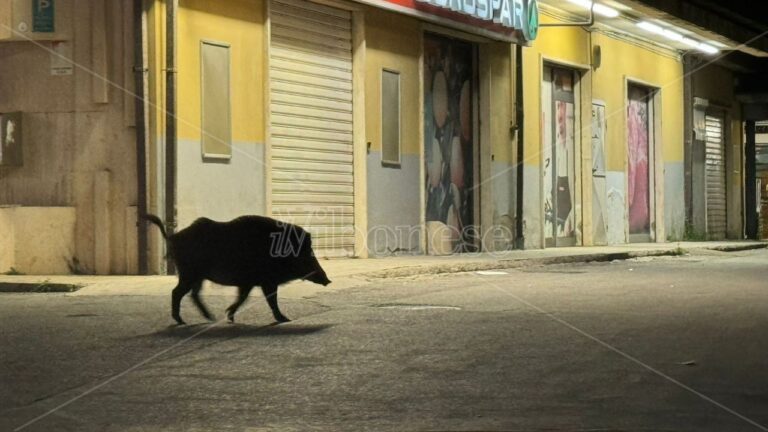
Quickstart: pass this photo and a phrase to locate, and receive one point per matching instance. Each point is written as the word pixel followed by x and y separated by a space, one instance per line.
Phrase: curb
pixel 33 287
pixel 457 266
pixel 515 263
pixel 738 248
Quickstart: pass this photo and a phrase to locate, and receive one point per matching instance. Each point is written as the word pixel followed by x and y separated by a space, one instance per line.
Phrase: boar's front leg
pixel 196 287
pixel 242 295
pixel 270 293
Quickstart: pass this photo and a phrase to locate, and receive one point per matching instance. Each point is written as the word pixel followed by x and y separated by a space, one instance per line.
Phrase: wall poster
pixel 559 155
pixel 449 138
pixel 638 172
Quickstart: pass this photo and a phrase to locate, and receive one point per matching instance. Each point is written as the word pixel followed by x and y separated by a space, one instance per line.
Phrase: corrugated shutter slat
pixel 311 122
pixel 715 178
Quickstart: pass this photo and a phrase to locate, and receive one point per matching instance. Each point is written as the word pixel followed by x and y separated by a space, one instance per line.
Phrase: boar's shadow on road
pixel 212 331
pixel 245 252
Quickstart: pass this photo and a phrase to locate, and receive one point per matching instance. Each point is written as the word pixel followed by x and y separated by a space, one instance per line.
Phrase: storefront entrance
pixel 311 127
pixel 451 143
pixel 715 181
pixel 558 155
pixel 640 185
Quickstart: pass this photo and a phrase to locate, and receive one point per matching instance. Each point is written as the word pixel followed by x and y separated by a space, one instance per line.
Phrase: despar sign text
pixel 516 14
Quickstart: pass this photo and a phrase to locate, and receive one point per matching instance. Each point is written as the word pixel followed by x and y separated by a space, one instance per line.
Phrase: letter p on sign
pixel 42 16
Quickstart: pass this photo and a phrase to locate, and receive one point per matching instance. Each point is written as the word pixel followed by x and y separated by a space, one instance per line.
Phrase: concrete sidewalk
pixel 346 273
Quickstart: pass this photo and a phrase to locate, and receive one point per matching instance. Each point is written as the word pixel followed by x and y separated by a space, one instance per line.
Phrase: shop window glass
pixel 390 117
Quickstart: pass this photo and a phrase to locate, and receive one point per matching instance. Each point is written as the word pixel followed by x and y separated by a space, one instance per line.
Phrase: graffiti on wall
pixel 638 172
pixel 449 135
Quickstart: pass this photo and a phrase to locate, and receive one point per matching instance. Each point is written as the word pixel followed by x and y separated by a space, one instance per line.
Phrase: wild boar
pixel 244 252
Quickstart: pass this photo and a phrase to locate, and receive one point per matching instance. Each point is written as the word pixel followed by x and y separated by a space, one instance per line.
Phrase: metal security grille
pixel 311 122
pixel 715 172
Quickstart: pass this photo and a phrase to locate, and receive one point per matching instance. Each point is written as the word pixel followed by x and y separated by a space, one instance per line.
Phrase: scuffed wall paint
pixel 616 208
pixel 7 239
pixel 220 190
pixel 532 208
pixel 393 206
pixel 500 237
pixel 599 198
pixel 674 203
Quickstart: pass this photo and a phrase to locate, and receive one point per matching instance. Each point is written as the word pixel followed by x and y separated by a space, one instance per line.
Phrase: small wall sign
pixel 43 16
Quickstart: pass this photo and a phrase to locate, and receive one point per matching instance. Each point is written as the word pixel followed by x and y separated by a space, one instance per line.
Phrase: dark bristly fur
pixel 244 252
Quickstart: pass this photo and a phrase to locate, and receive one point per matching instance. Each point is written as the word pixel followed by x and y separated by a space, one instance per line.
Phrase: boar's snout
pixel 317 274
pixel 319 277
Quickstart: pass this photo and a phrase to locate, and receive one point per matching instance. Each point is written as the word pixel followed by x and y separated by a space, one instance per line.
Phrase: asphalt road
pixel 665 344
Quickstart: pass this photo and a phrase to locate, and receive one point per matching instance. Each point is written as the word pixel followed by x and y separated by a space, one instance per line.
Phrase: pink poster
pixel 638 173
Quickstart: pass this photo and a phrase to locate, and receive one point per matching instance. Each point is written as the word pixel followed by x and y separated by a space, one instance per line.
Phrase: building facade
pixel 382 126
pixel 68 153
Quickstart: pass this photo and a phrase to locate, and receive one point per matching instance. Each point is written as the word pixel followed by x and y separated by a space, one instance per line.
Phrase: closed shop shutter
pixel 715 172
pixel 311 122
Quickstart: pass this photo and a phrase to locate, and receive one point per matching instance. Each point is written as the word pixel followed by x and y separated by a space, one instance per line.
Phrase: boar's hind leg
pixel 180 291
pixel 270 293
pixel 242 295
pixel 196 287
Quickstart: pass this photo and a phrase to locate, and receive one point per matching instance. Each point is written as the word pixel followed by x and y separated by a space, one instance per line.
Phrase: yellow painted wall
pixel 622 61
pixel 501 100
pixel 393 42
pixel 568 45
pixel 239 23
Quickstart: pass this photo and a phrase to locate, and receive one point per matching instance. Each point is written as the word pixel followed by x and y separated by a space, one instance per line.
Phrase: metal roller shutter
pixel 311 122
pixel 716 190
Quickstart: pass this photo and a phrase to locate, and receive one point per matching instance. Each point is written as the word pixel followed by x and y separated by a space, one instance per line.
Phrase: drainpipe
pixel 688 69
pixel 140 70
pixel 170 121
pixel 519 118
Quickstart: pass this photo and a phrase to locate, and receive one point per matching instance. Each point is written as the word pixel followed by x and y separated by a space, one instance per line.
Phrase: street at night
pixel 649 344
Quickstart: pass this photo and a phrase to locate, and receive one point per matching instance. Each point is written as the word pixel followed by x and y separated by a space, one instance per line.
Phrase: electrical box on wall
pixel 35 20
pixel 10 139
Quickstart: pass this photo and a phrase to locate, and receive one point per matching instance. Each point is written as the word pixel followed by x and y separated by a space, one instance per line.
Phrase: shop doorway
pixel 715 179
pixel 311 122
pixel 761 180
pixel 450 145
pixel 640 174
pixel 558 155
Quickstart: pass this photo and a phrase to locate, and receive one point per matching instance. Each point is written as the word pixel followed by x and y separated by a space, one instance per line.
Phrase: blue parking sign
pixel 42 16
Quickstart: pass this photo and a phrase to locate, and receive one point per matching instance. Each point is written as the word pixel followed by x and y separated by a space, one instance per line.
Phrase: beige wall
pixel 79 143
pixel 37 240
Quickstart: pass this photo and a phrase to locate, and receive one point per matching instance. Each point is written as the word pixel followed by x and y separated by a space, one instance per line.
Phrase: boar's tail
pixel 157 221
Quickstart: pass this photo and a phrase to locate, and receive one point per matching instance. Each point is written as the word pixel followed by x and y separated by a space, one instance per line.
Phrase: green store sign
pixel 531 25
pixel 522 15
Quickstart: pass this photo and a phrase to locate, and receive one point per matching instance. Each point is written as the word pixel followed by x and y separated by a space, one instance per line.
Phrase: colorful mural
pixel 449 135
pixel 638 172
